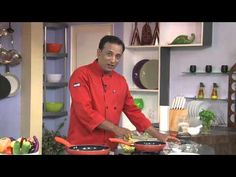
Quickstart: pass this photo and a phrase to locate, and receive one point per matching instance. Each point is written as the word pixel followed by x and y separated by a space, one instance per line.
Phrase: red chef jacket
pixel 97 97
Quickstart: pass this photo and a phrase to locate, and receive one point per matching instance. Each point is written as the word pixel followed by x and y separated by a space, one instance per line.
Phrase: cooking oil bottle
pixel 201 94
pixel 214 92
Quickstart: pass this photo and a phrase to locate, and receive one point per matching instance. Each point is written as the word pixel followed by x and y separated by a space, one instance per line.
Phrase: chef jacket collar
pixel 99 70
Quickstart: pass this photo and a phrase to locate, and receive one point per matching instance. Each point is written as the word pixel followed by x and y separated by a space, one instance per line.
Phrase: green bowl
pixel 54 106
pixel 139 103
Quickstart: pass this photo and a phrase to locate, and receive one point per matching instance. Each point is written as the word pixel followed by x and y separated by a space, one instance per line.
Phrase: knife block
pixel 174 116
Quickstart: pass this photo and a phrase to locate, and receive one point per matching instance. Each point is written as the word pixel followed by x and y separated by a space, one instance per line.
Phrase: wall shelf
pixel 54 115
pixel 55 55
pixel 202 72
pixel 206 99
pixel 56 85
pixel 143 90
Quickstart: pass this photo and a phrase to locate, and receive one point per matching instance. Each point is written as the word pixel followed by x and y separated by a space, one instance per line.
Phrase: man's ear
pixel 98 52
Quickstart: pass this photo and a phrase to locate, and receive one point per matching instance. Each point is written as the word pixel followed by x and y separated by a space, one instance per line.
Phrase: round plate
pixel 149 75
pixel 136 73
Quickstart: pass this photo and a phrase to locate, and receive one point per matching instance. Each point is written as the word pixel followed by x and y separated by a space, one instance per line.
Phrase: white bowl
pixel 54 78
pixel 194 130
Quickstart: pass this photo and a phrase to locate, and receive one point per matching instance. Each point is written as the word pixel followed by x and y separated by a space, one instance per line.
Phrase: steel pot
pixel 85 149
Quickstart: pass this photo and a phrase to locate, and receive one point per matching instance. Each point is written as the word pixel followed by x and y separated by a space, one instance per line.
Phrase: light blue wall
pixel 10 106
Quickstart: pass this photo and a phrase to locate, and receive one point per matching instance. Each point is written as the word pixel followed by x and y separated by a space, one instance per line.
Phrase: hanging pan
pixel 143 146
pixel 14 56
pixel 14 82
pixel 83 149
pixel 5 87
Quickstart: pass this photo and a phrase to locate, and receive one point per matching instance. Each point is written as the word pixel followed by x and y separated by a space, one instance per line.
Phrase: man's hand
pixel 119 131
pixel 169 138
pixel 122 132
pixel 162 137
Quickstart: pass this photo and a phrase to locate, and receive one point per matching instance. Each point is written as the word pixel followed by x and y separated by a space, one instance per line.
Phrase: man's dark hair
pixel 111 39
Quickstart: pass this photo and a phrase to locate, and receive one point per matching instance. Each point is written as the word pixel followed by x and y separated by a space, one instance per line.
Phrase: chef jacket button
pixel 115 108
pixel 106 107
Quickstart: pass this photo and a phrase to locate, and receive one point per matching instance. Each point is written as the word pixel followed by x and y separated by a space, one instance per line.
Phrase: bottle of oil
pixel 214 93
pixel 201 94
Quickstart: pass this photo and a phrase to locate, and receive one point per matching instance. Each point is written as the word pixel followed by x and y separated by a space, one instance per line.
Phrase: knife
pixel 184 101
pixel 177 102
pixel 173 103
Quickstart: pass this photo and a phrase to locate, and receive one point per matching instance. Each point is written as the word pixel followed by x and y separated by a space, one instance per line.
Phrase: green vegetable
pixel 16 148
pixel 25 147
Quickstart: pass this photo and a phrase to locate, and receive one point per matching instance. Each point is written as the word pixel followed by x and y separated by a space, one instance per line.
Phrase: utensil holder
pixel 174 116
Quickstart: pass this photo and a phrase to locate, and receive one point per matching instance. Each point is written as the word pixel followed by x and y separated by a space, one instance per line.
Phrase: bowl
pixel 54 106
pixel 54 47
pixel 139 103
pixel 194 130
pixel 54 77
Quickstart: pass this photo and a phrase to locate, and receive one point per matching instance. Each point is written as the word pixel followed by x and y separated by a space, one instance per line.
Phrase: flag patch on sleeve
pixel 76 84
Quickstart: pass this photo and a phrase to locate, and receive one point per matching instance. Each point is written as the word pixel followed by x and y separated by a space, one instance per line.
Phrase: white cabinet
pixel 168 31
pixel 55 63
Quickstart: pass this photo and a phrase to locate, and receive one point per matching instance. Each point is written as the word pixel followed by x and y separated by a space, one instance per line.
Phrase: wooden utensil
pixel 135 38
pixel 146 35
pixel 155 38
pixel 174 116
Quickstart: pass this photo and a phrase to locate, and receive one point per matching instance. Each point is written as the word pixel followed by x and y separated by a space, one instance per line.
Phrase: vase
pixel 206 127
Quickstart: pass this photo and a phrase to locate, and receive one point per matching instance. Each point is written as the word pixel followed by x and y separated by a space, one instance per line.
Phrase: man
pixel 99 95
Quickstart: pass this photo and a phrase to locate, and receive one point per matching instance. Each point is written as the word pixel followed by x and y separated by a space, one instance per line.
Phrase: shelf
pixel 206 99
pixel 205 73
pixel 182 45
pixel 55 85
pixel 55 25
pixel 142 47
pixel 55 55
pixel 143 90
pixel 54 114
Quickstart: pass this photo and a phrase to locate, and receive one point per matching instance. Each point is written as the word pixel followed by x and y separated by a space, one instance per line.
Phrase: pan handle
pixel 62 141
pixel 118 140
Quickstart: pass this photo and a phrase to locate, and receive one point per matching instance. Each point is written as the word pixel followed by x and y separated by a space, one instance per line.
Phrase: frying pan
pixel 5 87
pixel 136 73
pixel 85 149
pixel 14 82
pixel 144 146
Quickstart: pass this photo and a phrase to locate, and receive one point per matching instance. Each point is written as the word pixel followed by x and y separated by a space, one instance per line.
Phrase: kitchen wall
pixel 10 106
pixel 221 52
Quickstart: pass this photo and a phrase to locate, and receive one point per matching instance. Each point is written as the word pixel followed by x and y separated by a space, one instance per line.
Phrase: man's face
pixel 109 56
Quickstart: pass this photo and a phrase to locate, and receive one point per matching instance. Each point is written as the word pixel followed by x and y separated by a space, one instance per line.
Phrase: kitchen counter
pixel 187 146
pixel 222 139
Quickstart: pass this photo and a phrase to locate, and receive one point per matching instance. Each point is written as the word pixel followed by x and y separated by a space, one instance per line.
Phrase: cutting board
pixel 174 116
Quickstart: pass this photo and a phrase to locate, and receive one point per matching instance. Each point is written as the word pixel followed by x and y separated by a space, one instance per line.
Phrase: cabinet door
pixel 85 40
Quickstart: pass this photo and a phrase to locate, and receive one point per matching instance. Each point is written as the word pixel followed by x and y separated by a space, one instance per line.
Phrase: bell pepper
pixel 16 148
